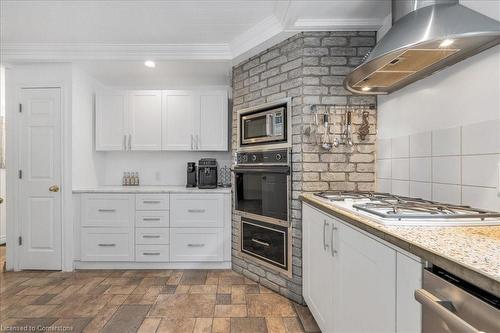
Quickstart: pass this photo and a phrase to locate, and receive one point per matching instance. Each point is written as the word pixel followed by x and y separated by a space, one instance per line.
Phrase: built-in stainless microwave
pixel 266 126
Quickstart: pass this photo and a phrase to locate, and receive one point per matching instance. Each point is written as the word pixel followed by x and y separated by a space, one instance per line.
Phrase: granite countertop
pixel 472 253
pixel 150 189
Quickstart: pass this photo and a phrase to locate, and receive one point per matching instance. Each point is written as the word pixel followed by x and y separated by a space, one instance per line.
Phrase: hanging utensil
pixel 326 140
pixel 348 128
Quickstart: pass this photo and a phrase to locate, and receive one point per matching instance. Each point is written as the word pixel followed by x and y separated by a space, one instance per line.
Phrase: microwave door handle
pixel 269 125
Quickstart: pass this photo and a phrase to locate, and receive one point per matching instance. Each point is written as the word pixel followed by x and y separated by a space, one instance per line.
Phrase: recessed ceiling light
pixel 149 63
pixel 446 42
pixel 366 88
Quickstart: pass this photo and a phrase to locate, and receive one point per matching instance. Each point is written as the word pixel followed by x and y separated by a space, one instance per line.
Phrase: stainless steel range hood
pixel 426 36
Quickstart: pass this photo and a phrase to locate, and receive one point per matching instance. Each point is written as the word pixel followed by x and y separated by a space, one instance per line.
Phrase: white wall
pixel 439 138
pixel 87 165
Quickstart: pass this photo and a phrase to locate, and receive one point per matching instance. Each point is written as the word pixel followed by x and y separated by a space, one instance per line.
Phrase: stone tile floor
pixel 144 301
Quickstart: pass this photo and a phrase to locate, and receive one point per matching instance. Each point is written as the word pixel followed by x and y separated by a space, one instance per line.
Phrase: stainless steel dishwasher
pixel 452 305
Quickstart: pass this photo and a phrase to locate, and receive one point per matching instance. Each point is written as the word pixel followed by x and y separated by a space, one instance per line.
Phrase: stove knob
pixel 254 158
pixel 278 157
pixel 244 158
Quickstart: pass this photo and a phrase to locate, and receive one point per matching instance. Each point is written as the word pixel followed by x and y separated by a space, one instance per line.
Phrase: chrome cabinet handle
pixel 325 245
pixel 107 245
pixel 106 210
pixel 192 142
pixel 151 201
pixel 151 219
pixel 196 245
pixel 150 236
pixel 130 142
pixel 260 242
pixel 197 142
pixel 454 322
pixel 196 211
pixel 332 247
pixel 124 142
pixel 150 253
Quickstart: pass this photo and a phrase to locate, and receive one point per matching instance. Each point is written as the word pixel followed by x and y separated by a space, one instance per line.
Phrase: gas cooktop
pixel 389 207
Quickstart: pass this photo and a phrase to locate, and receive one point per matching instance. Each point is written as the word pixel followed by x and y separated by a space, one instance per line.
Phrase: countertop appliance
pixel 262 181
pixel 207 173
pixel 450 304
pixel 266 125
pixel 191 174
pixel 426 36
pixel 389 209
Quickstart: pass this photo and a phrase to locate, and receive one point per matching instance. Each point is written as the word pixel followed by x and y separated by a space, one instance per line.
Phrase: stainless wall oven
pixel 262 185
pixel 265 125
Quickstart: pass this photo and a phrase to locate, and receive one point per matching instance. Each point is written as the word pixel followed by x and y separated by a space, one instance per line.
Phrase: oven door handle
pixel 434 304
pixel 272 169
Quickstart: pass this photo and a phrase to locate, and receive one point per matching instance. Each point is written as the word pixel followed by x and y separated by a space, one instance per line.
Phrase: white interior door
pixel 40 163
pixel 145 116
pixel 178 120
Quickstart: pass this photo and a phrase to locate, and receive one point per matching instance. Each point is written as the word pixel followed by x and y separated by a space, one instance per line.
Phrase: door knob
pixel 54 188
pixel 1 200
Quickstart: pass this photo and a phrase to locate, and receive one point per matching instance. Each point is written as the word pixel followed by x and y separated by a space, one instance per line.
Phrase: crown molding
pixel 336 24
pixel 89 51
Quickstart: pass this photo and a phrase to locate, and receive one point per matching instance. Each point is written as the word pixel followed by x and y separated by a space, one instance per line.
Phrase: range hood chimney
pixel 426 36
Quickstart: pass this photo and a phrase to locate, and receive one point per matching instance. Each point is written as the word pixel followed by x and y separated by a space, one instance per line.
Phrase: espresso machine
pixel 191 174
pixel 207 173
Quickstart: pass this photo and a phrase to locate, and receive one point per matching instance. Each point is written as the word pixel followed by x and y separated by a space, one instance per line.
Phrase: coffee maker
pixel 191 174
pixel 207 173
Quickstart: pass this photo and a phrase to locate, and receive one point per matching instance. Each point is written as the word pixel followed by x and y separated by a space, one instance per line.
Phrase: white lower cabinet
pixel 107 244
pixel 196 244
pixel 160 228
pixel 353 282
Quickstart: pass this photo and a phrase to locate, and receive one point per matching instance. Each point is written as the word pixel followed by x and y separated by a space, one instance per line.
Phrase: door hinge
pixel 20 174
pixel 20 240
pixel 20 108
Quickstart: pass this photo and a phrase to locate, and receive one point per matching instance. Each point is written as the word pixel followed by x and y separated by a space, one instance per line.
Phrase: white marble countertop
pixel 150 189
pixel 472 253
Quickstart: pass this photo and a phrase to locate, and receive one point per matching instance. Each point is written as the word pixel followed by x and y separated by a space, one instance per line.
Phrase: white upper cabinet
pixel 154 120
pixel 145 120
pixel 111 121
pixel 179 114
pixel 213 129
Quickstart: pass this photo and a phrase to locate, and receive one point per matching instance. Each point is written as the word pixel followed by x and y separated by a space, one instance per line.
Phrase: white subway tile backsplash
pixel 446 142
pixel 383 148
pixel 401 147
pixel 384 168
pixel 481 197
pixel 400 187
pixel 421 190
pixel 480 170
pixel 420 144
pixel 384 185
pixel 401 168
pixel 421 169
pixel 446 169
pixel 446 193
pixel 481 138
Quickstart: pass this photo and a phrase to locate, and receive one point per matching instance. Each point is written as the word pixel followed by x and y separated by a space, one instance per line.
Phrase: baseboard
pixel 151 265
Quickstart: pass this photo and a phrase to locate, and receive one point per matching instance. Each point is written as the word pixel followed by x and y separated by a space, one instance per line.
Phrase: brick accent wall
pixel 309 67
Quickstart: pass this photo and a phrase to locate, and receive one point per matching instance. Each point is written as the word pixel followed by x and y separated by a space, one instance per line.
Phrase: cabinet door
pixel 178 120
pixel 409 279
pixel 213 121
pixel 364 283
pixel 145 120
pixel 111 121
pixel 318 266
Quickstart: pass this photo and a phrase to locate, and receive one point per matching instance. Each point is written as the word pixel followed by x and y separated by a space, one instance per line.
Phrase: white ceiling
pixel 203 29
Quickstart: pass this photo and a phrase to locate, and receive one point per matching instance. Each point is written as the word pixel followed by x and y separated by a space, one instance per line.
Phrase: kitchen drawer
pixel 107 210
pixel 152 201
pixel 200 244
pixel 152 236
pixel 152 219
pixel 152 253
pixel 197 210
pixel 107 244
